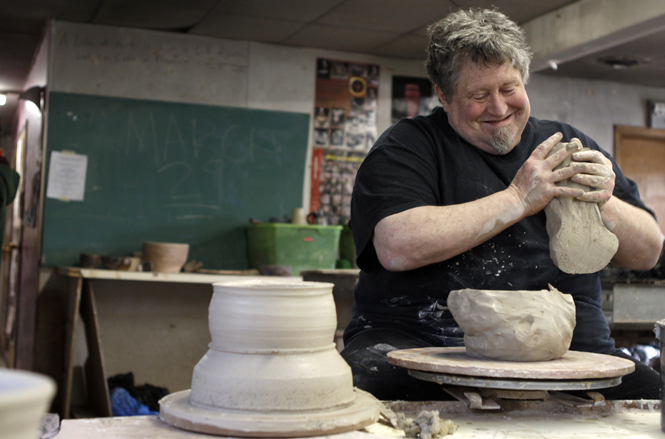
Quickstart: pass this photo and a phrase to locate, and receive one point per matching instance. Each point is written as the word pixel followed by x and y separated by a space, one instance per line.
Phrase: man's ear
pixel 442 98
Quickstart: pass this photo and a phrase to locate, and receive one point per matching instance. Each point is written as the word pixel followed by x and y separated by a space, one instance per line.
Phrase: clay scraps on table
pixel 426 425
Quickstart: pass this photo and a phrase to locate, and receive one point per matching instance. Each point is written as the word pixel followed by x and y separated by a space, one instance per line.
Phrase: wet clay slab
pixel 579 241
pixel 573 365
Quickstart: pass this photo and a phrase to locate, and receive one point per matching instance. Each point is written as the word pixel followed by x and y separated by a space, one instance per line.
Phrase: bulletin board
pixel 344 129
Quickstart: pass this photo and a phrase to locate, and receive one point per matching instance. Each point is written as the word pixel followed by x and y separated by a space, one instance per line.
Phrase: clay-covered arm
pixel 640 238
pixel 429 234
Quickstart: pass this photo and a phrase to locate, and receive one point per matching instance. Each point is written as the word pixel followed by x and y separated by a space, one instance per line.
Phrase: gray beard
pixel 502 140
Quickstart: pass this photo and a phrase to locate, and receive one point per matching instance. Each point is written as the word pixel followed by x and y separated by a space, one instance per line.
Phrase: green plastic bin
pixel 347 248
pixel 303 247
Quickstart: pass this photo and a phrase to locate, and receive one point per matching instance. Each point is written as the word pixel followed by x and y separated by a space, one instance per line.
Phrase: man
pixel 9 181
pixel 455 200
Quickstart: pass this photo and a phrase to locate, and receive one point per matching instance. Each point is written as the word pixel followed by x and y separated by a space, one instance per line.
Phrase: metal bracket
pixel 574 401
pixel 472 399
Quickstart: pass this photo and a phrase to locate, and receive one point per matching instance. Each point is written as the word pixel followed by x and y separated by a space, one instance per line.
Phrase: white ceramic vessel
pixel 272 349
pixel 272 368
pixel 24 399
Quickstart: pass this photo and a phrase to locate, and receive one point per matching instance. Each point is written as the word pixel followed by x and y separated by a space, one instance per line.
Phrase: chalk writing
pixel 187 171
pixel 114 46
pixel 173 136
pixel 189 150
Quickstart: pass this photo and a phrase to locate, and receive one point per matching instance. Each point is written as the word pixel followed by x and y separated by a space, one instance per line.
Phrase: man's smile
pixel 496 122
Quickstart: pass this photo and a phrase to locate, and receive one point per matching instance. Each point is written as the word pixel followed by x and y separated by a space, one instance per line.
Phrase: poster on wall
pixel 333 175
pixel 412 96
pixel 345 129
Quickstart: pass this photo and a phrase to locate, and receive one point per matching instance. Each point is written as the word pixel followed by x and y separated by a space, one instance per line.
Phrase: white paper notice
pixel 66 176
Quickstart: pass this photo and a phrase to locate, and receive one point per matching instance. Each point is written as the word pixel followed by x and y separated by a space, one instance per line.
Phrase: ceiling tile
pixel 238 27
pixel 387 15
pixel 16 53
pixel 422 31
pixel 339 38
pixel 21 25
pixel 29 16
pixel 153 14
pixel 293 10
pixel 519 11
pixel 408 46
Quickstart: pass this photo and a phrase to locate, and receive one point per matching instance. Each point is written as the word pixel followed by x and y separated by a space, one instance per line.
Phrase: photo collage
pixel 344 130
pixel 345 105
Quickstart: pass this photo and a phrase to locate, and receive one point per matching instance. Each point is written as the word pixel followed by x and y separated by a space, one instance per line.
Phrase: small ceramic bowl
pixel 89 260
pixel 116 262
pixel 134 263
pixel 166 257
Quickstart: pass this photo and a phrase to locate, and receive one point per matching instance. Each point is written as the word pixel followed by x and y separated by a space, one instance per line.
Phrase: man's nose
pixel 497 105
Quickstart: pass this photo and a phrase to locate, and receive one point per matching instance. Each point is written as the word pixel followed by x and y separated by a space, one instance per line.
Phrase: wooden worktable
pixel 623 419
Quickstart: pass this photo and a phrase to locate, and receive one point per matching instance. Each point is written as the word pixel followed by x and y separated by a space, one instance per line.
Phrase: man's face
pixel 489 107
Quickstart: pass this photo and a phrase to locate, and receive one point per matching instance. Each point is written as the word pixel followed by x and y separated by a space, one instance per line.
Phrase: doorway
pixel 640 153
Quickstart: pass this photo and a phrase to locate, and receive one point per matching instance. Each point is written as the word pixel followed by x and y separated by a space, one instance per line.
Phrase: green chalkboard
pixel 171 172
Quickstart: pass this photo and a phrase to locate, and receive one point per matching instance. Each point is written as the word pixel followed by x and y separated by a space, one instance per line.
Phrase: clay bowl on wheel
pixel 166 257
pixel 514 325
pixel 24 399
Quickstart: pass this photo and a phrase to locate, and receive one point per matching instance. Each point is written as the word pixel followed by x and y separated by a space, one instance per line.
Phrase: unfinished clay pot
pixel 166 257
pixel 24 399
pixel 514 325
pixel 579 241
pixel 292 327
pixel 272 367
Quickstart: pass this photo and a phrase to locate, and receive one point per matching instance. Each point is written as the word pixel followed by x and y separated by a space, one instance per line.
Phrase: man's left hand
pixel 595 170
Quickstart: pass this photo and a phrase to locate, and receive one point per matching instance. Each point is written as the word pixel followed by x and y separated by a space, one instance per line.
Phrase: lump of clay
pixel 579 241
pixel 514 325
pixel 427 425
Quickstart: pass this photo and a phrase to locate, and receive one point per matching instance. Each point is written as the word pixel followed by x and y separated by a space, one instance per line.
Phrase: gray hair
pixel 483 35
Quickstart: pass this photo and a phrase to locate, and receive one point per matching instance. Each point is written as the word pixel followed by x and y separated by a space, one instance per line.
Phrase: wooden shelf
pixel 198 278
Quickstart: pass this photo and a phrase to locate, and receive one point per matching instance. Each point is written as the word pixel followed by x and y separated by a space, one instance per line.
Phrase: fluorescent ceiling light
pixel 3 99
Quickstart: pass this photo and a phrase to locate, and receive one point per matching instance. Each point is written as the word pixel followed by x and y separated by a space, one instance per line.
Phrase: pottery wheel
pixel 574 365
pixel 176 410
pixel 515 384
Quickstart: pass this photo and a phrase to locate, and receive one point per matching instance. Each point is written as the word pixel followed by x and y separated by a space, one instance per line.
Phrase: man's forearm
pixel 429 234
pixel 640 238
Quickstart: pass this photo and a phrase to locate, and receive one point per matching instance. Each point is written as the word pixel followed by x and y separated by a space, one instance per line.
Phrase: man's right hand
pixel 534 184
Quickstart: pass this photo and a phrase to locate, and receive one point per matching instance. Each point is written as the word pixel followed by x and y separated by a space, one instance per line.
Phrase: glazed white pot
pixel 24 399
pixel 272 349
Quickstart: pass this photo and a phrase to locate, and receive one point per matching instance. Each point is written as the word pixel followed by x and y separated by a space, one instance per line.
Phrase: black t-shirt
pixel 423 162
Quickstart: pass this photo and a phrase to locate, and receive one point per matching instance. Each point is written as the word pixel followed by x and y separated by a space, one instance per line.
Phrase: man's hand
pixel 535 182
pixel 594 170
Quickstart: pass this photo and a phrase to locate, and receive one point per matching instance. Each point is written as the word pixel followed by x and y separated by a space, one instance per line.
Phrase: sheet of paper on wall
pixel 66 178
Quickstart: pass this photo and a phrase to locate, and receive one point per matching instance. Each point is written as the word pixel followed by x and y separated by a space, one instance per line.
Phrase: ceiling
pixel 395 28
